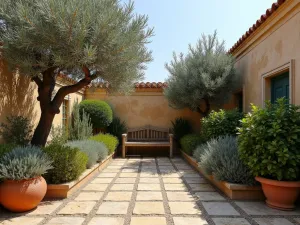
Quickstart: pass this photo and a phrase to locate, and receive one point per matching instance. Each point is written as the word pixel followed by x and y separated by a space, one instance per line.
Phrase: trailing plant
pixel 24 163
pixel 219 123
pixel 68 163
pixel 205 76
pixel 190 142
pixel 110 141
pixel 95 151
pixel 80 126
pixel 99 111
pixel 117 128
pixel 181 127
pixel 58 135
pixel 219 157
pixel 92 42
pixel 269 141
pixel 17 130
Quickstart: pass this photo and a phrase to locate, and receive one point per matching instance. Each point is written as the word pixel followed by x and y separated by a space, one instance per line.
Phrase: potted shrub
pixel 23 187
pixel 269 144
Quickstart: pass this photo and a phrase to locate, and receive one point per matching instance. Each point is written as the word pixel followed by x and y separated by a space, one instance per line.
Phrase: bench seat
pixel 147 136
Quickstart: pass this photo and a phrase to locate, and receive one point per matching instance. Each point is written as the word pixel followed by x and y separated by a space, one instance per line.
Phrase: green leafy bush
pixel 219 157
pixel 17 130
pixel 110 141
pixel 99 111
pixel 269 141
pixel 95 151
pixel 117 128
pixel 190 142
pixel 5 148
pixel 221 123
pixel 68 163
pixel 80 126
pixel 24 163
pixel 58 135
pixel 181 127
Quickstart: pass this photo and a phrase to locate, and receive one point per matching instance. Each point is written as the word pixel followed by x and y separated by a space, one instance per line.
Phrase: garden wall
pixel 18 96
pixel 271 50
pixel 145 106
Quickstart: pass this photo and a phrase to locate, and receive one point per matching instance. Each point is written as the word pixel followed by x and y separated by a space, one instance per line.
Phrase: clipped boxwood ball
pixel 99 111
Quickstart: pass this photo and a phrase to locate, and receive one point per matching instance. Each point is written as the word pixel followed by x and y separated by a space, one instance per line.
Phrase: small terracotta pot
pixel 22 195
pixel 280 194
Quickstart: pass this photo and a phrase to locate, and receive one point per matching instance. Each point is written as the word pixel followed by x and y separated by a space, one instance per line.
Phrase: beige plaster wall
pixel 143 107
pixel 18 97
pixel 274 44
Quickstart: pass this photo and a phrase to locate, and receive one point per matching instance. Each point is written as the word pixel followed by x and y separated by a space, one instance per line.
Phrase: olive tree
pixel 202 77
pixel 94 40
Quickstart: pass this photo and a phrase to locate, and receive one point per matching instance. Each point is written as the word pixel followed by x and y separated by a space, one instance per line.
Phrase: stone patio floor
pixel 150 191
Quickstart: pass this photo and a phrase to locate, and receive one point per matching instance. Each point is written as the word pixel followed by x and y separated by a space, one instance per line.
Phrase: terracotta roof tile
pixel 259 22
pixel 151 85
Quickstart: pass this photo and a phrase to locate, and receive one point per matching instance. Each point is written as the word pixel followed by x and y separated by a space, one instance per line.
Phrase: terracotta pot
pixel 23 195
pixel 280 194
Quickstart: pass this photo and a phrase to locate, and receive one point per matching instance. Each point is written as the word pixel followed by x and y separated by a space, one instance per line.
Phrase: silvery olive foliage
pixel 219 157
pixel 202 77
pixel 104 35
pixel 24 163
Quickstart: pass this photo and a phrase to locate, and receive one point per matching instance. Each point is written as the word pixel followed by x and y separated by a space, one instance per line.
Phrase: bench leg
pixel 171 151
pixel 123 151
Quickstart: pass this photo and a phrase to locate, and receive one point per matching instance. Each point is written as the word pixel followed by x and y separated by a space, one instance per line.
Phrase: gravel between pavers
pixel 159 164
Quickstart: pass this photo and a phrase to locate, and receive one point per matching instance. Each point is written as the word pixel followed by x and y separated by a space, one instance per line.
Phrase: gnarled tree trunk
pixel 49 107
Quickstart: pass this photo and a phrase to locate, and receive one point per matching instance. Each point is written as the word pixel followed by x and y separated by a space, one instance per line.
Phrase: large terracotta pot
pixel 23 195
pixel 280 194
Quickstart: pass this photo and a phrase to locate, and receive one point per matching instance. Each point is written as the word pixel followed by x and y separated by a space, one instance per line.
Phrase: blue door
pixel 280 87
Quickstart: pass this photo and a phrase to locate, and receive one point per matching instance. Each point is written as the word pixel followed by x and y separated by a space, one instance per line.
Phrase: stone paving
pixel 150 191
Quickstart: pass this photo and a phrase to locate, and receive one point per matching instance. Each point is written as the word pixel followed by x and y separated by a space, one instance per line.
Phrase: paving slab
pixel 220 209
pixel 66 220
pixel 184 208
pixel 106 221
pixel 149 196
pixel 148 208
pixel 76 207
pixel 148 221
pixel 22 220
pixel 209 196
pixel 113 208
pixel 189 221
pixel 118 196
pixel 89 196
pixel 230 221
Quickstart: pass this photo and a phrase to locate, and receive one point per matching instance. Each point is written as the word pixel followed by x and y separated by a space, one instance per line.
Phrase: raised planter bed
pixel 233 191
pixel 66 189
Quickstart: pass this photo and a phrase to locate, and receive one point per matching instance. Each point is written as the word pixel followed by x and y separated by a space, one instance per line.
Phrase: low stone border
pixel 60 191
pixel 233 191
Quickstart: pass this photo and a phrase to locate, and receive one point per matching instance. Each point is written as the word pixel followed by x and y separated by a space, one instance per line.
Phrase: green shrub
pixel 190 142
pixel 5 148
pixel 16 130
pixel 95 151
pixel 80 127
pixel 269 141
pixel 99 111
pixel 68 163
pixel 117 128
pixel 24 163
pixel 58 135
pixel 219 157
pixel 110 141
pixel 181 127
pixel 221 123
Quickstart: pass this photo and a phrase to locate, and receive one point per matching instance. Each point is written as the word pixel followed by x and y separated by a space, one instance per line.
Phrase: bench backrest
pixel 148 133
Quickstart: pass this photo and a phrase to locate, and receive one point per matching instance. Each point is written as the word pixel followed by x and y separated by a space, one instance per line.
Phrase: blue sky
pixel 180 22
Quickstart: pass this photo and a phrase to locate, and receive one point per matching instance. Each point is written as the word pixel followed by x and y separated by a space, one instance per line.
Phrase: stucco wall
pixel 18 97
pixel 275 44
pixel 144 107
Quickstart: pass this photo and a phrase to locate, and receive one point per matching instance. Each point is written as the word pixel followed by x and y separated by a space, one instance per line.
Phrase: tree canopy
pixel 88 40
pixel 204 76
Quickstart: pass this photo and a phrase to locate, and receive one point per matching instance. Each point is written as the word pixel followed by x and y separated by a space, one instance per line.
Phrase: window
pixel 65 113
pixel 239 101
pixel 280 87
pixel 279 83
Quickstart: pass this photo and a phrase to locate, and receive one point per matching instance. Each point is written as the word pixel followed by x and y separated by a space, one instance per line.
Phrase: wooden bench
pixel 147 136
